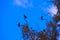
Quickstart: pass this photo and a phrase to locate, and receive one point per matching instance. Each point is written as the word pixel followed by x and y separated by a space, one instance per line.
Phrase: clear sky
pixel 12 12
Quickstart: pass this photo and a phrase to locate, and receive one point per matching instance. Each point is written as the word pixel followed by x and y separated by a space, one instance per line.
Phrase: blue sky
pixel 12 13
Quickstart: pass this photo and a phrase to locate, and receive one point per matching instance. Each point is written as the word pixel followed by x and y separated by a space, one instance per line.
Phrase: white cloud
pixel 17 2
pixel 23 3
pixel 53 10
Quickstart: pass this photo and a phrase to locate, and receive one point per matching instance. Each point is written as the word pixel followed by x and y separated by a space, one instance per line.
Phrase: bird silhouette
pixel 42 18
pixel 25 16
pixel 18 24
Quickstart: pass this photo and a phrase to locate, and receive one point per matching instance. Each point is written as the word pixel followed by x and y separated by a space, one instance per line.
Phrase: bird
pixel 25 16
pixel 18 24
pixel 42 18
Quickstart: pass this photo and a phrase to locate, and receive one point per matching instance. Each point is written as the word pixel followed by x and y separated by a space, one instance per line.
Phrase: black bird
pixel 18 24
pixel 25 16
pixel 42 18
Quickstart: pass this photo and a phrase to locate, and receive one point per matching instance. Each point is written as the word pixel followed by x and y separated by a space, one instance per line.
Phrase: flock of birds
pixel 41 18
